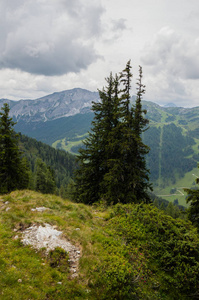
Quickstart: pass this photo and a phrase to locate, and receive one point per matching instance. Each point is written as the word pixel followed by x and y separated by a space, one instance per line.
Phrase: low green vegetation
pixel 59 259
pixel 132 251
pixel 193 200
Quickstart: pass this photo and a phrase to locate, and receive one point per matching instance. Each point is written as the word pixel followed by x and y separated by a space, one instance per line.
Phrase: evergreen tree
pixel 113 182
pixel 44 178
pixel 112 165
pixel 140 150
pixel 134 150
pixel 14 173
pixel 193 200
pixel 93 160
pixel 125 78
pixel 128 140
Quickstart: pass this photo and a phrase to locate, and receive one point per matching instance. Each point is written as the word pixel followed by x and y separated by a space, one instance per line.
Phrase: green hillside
pixel 50 131
pixel 173 137
pixel 62 163
pixel 174 142
pixel 125 252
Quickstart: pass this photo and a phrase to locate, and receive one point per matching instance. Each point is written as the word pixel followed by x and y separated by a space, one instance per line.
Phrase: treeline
pixel 59 163
pixel 170 151
pixel 173 209
pixel 50 131
pixel 27 163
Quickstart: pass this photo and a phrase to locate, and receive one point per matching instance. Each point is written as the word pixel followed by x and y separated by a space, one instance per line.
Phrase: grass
pixel 27 274
pixel 118 253
pixel 187 181
pixel 67 145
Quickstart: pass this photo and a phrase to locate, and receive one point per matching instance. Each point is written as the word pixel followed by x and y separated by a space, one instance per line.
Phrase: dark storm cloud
pixel 49 37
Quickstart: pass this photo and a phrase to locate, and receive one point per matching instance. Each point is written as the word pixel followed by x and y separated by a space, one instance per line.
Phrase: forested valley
pixel 132 244
pixel 61 164
pixel 176 153
pixel 27 163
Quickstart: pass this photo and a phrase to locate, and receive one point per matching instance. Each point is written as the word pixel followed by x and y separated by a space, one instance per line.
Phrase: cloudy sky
pixel 54 45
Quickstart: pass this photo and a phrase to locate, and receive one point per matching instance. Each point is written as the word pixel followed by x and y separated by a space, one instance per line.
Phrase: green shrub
pixel 59 259
pixel 170 246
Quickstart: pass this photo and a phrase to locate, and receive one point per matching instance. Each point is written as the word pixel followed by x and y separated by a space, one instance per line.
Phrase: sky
pixel 48 46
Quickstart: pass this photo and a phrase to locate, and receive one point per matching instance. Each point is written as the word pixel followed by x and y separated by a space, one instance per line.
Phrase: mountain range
pixel 63 120
pixel 52 107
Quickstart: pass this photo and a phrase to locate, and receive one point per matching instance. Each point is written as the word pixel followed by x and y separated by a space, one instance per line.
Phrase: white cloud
pixel 52 45
pixel 44 37
pixel 169 51
pixel 171 62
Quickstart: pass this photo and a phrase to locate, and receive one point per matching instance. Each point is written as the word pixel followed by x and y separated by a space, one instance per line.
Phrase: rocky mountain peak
pixel 57 105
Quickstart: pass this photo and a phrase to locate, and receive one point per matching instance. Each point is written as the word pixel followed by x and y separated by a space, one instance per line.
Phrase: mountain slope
pixel 53 130
pixel 62 163
pixel 125 252
pixel 51 107
pixel 63 120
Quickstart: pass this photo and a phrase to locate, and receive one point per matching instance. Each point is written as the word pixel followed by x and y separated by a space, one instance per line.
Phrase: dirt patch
pixel 46 236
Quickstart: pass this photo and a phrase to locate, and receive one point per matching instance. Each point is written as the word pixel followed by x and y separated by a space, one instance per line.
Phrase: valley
pixel 57 247
pixel 173 134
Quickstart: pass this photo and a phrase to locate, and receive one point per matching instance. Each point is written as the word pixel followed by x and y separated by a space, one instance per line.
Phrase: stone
pixel 48 237
pixel 39 209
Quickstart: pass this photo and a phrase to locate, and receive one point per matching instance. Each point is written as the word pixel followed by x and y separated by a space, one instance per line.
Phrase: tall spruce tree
pixel 140 150
pixel 128 140
pixel 94 159
pixel 112 165
pixel 14 173
pixel 134 150
pixel 113 185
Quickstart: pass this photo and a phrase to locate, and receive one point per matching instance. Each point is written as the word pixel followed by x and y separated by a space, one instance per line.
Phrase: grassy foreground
pixel 128 251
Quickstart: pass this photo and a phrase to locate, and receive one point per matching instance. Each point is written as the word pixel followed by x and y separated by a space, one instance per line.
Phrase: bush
pixel 156 256
pixel 59 259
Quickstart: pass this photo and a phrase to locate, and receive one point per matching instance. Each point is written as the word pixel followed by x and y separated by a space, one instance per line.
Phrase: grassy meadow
pixel 127 251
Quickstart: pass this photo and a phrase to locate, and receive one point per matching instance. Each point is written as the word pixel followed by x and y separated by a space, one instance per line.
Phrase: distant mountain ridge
pixel 170 104
pixel 73 102
pixel 51 107
pixel 63 120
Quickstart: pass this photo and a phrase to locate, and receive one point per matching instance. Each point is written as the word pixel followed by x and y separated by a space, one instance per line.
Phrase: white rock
pixel 48 237
pixel 39 209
